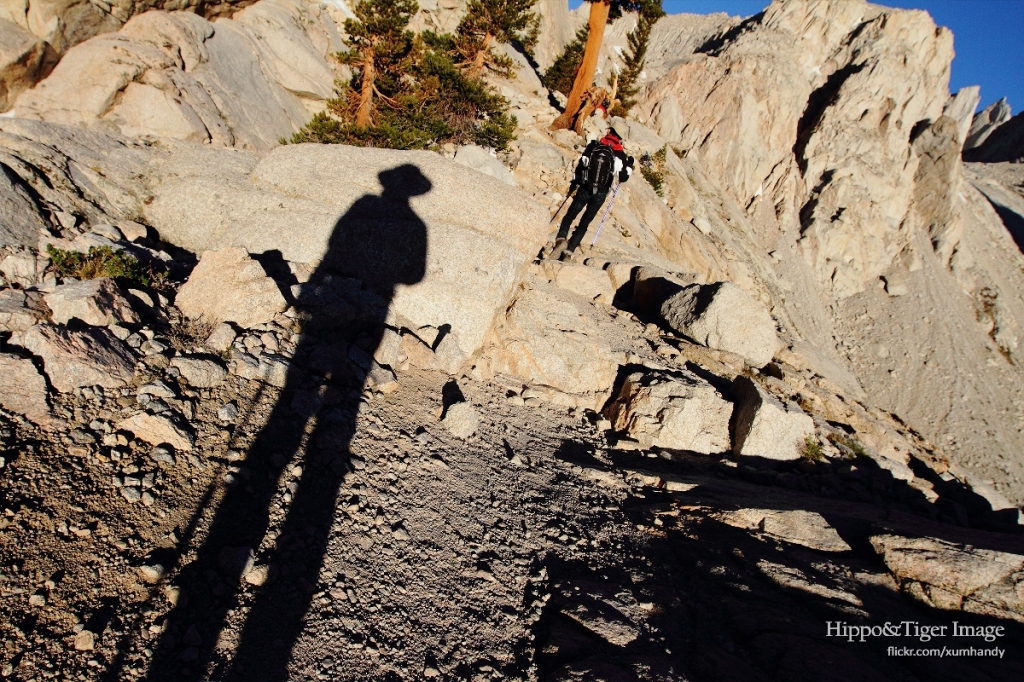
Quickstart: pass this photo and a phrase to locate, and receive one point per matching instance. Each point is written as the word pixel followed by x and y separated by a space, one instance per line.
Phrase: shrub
pixel 812 450
pixel 102 261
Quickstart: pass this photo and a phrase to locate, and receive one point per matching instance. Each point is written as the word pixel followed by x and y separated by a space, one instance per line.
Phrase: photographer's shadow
pixel 378 244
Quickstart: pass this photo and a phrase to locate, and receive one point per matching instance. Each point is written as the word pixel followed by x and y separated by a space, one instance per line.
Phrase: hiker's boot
pixel 557 249
pixel 566 256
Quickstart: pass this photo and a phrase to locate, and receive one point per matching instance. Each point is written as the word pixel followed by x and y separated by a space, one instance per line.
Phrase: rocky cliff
pixel 336 413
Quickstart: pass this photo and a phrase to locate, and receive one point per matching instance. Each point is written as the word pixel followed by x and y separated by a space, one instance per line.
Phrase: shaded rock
pixel 96 301
pixel 23 388
pixel 198 371
pixel 797 526
pixel 652 287
pixel 677 411
pixel 20 310
pixel 74 358
pixel 986 122
pixel 724 317
pixel 23 59
pixel 20 226
pixel 388 349
pixel 480 160
pixel 228 285
pixel 952 576
pixel 269 369
pixel 461 420
pixel 157 429
pixel 1004 144
pixel 235 562
pixel 764 427
pixel 85 641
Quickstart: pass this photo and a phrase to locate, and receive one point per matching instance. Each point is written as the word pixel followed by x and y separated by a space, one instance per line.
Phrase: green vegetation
pixel 561 74
pixel 653 170
pixel 102 261
pixel 812 450
pixel 487 21
pixel 635 58
pixel 411 91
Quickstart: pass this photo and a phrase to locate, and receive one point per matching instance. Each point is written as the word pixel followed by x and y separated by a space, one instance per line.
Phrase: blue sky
pixel 988 38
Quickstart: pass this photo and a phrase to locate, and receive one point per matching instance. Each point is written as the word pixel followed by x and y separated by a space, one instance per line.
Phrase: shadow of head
pixel 404 182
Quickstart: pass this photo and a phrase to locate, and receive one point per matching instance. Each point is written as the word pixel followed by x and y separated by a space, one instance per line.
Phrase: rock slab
pixel 96 301
pixel 675 410
pixel 74 358
pixel 724 317
pixel 763 427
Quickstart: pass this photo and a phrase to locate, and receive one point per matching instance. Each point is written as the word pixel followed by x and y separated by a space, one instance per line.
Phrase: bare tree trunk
pixel 366 93
pixel 477 67
pixel 599 10
pixel 591 100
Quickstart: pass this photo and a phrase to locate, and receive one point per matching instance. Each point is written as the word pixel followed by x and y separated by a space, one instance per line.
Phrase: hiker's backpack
pixel 596 175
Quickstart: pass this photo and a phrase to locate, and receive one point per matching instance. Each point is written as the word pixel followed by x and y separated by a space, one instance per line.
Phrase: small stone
pixel 37 599
pixel 159 429
pixel 131 493
pixel 85 641
pixel 201 372
pixel 430 671
pixel 147 499
pixel 227 412
pixel 400 534
pixel 258 575
pixel 221 338
pixel 152 574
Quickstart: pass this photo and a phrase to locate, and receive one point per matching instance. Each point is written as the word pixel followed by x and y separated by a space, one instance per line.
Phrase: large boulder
pixel 229 286
pixel 796 526
pixel 96 301
pixel 445 244
pixel 554 342
pixel 724 317
pixel 23 388
pixel 952 576
pixel 678 410
pixel 763 427
pixel 74 358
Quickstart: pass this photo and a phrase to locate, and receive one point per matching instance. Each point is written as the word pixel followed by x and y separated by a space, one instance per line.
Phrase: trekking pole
pixel 605 216
pixel 562 205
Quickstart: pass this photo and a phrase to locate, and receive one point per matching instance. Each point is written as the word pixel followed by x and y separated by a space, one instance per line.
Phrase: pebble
pixel 85 641
pixel 131 493
pixel 227 412
pixel 162 454
pixel 153 573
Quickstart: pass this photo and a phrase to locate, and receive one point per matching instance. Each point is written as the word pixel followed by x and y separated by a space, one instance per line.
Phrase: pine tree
pixel 418 96
pixel 581 99
pixel 562 72
pixel 635 59
pixel 487 21
pixel 381 51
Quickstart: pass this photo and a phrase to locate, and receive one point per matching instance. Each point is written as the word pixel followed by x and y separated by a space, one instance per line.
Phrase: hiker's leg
pixel 594 204
pixel 578 203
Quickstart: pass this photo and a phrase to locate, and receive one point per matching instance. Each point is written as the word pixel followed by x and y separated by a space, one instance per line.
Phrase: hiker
pixel 601 162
